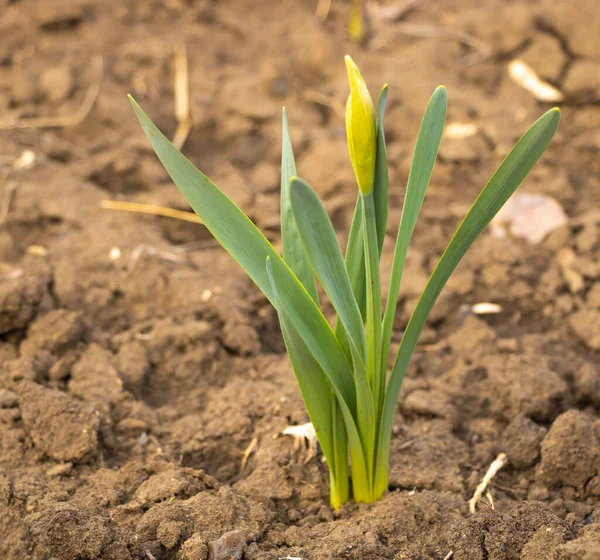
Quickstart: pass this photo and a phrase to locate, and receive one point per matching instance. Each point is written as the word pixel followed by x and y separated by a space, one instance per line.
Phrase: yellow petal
pixel 360 129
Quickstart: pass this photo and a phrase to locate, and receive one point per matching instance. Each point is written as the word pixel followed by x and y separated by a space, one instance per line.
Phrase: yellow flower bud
pixel 360 129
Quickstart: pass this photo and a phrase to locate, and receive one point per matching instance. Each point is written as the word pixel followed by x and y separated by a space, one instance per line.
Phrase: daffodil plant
pixel 342 370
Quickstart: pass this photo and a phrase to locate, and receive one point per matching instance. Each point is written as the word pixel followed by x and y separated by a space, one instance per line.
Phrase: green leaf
pixel 373 282
pixel 293 251
pixel 328 416
pixel 501 186
pixel 426 149
pixel 249 247
pixel 319 400
pixel 381 181
pixel 338 470
pixel 360 476
pixel 325 256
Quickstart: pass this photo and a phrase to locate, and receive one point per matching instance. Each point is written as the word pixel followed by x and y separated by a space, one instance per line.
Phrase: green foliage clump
pixel 342 371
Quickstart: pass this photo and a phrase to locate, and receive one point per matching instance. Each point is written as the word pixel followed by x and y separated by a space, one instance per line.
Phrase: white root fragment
pixel 449 556
pixel 490 498
pixel 304 433
pixel 37 250
pixel 486 308
pixel 114 254
pixel 525 76
pixel 461 130
pixel 182 97
pixel 25 160
pixel 498 463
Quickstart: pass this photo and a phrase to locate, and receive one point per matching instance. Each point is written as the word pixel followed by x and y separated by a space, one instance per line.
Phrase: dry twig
pixel 247 452
pixel 150 209
pixel 6 200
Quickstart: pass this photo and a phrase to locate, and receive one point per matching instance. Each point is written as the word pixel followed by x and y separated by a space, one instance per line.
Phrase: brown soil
pixel 130 388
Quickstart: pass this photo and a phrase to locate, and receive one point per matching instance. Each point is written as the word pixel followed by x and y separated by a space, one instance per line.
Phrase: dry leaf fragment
pixel 531 216
pixel 304 433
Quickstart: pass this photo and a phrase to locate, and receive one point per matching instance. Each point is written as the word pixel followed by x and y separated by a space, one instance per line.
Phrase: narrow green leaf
pixel 339 483
pixel 426 149
pixel 320 403
pixel 358 464
pixel 501 186
pixel 249 247
pixel 325 256
pixel 365 412
pixel 381 181
pixel 373 283
pixel 293 251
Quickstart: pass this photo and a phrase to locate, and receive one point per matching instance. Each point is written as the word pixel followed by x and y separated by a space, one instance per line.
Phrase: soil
pixel 138 363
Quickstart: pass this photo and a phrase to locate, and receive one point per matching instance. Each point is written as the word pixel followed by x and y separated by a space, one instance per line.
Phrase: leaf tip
pixel 132 100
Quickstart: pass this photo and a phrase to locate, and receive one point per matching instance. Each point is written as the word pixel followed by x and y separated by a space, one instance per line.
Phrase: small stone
pixel 62 469
pixel 56 331
pixel 570 452
pixel 60 426
pixel 580 510
pixel 430 403
pixel 265 176
pixel 5 489
pixel 169 533
pixel 193 549
pixel 471 336
pixel 538 492
pixel 584 77
pixel 593 486
pixel 545 56
pixel 133 366
pixel 20 297
pixel 61 369
pixel 8 399
pixel 17 370
pixel 230 546
pixel 585 323
pixel 57 83
pixel 94 378
pixel 587 383
pixel 161 486
pixel 508 345
pixel 522 440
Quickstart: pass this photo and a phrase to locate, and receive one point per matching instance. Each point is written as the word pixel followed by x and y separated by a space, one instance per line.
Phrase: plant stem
pixel 375 375
pixel 373 292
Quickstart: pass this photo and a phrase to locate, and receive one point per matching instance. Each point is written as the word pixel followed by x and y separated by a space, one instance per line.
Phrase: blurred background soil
pixel 143 381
